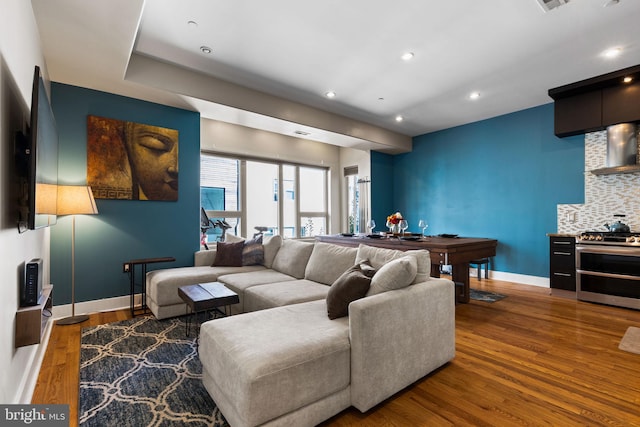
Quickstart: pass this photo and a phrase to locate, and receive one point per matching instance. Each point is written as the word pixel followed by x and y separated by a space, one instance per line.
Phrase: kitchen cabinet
pixel 593 104
pixel 578 114
pixel 621 104
pixel 562 264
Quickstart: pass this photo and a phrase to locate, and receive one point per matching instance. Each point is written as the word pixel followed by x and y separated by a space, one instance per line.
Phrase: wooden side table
pixel 130 266
pixel 204 297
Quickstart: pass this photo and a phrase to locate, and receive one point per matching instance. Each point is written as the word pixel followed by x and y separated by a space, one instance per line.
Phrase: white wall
pixel 19 52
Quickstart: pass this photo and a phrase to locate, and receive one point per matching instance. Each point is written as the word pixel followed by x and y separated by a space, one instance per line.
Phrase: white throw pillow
pixel 232 238
pixel 423 259
pixel 377 256
pixel 396 274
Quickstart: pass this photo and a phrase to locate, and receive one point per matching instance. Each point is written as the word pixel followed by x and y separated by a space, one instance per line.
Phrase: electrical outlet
pixel 126 267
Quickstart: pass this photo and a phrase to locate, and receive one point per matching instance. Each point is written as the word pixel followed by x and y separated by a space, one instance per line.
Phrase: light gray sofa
pixel 284 362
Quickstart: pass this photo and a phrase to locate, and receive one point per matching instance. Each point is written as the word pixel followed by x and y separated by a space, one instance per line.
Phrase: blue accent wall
pixel 499 178
pixel 123 229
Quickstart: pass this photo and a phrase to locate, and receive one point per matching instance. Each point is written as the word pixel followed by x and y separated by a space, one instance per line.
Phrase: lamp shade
pixel 76 199
pixel 46 198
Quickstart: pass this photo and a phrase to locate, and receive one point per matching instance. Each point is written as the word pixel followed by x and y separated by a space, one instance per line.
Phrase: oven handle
pixel 612 275
pixel 609 250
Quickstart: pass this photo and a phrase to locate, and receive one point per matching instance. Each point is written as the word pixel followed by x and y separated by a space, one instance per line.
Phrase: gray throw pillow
pixel 253 252
pixel 395 274
pixel 350 286
pixel 228 254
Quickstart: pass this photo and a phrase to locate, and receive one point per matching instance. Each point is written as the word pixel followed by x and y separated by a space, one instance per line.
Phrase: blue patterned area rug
pixel 485 296
pixel 143 372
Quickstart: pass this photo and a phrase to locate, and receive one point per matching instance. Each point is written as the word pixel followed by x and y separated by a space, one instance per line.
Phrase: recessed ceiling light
pixel 399 118
pixel 612 52
pixel 474 95
pixel 407 56
pixel 206 49
pixel 627 79
pixel 611 3
pixel 302 133
pixel 192 24
pixel 331 94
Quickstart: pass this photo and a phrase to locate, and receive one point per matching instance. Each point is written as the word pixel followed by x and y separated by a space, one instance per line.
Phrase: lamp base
pixel 72 320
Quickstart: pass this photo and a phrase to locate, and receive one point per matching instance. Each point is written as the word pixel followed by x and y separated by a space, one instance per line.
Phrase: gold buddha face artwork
pixel 134 161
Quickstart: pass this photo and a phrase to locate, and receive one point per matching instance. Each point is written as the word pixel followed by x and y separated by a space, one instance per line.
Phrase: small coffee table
pixel 205 297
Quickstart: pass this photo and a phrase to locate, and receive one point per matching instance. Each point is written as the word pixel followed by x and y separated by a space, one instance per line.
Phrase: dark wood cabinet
pixel 621 104
pixel 32 321
pixel 578 114
pixel 593 104
pixel 562 263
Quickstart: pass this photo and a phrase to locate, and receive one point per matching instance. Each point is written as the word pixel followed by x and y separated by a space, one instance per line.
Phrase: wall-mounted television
pixel 38 158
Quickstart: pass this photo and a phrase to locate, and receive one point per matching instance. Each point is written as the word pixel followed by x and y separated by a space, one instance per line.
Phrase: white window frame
pixel 242 200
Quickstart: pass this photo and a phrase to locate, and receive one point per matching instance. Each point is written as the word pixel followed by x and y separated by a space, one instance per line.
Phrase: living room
pixel 503 178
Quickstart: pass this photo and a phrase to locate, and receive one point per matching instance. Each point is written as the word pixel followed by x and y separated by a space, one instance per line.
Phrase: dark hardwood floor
pixel 530 359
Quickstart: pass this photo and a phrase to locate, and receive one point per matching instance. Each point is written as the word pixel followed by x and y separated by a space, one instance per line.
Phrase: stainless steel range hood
pixel 622 150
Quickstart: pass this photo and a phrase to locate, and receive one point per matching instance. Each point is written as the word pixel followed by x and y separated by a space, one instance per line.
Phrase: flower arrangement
pixel 394 218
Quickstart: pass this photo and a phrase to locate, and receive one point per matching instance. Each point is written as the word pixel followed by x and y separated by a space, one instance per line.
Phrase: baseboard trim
pixel 514 277
pixel 95 306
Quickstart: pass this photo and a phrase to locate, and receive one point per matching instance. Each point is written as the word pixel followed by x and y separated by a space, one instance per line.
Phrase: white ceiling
pixel 510 51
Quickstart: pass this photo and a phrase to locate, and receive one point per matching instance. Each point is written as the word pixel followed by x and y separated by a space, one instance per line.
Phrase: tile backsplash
pixel 605 195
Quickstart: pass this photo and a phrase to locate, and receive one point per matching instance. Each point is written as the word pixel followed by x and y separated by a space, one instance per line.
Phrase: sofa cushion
pixel 271 246
pixel 261 297
pixel 240 282
pixel 396 274
pixel 162 285
pixel 228 254
pixel 327 262
pixel 353 284
pixel 253 251
pixel 273 362
pixel 292 257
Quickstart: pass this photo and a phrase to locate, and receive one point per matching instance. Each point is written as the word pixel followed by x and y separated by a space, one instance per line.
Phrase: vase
pixel 395 228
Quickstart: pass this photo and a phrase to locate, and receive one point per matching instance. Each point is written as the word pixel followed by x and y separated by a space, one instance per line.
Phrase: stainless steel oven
pixel 608 273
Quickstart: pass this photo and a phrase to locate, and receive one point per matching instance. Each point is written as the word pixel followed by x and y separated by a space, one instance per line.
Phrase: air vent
pixel 548 5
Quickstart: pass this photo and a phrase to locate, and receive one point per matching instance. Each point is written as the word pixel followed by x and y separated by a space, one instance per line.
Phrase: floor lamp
pixel 74 200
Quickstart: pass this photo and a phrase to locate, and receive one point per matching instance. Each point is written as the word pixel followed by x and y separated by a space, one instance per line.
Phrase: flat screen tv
pixel 40 161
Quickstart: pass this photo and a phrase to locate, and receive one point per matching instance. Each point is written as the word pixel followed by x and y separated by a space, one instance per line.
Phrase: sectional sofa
pixel 307 346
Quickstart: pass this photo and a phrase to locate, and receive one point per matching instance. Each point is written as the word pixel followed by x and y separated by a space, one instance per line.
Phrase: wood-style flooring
pixel 530 359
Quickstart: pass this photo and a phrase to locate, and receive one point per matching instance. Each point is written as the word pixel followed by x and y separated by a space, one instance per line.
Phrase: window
pixel 353 196
pixel 247 195
pixel 220 194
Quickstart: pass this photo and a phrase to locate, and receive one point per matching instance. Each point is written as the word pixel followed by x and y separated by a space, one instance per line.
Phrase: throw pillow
pixel 228 254
pixel 396 274
pixel 423 259
pixel 350 286
pixel 377 256
pixel 228 237
pixel 253 252
pixel 367 268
